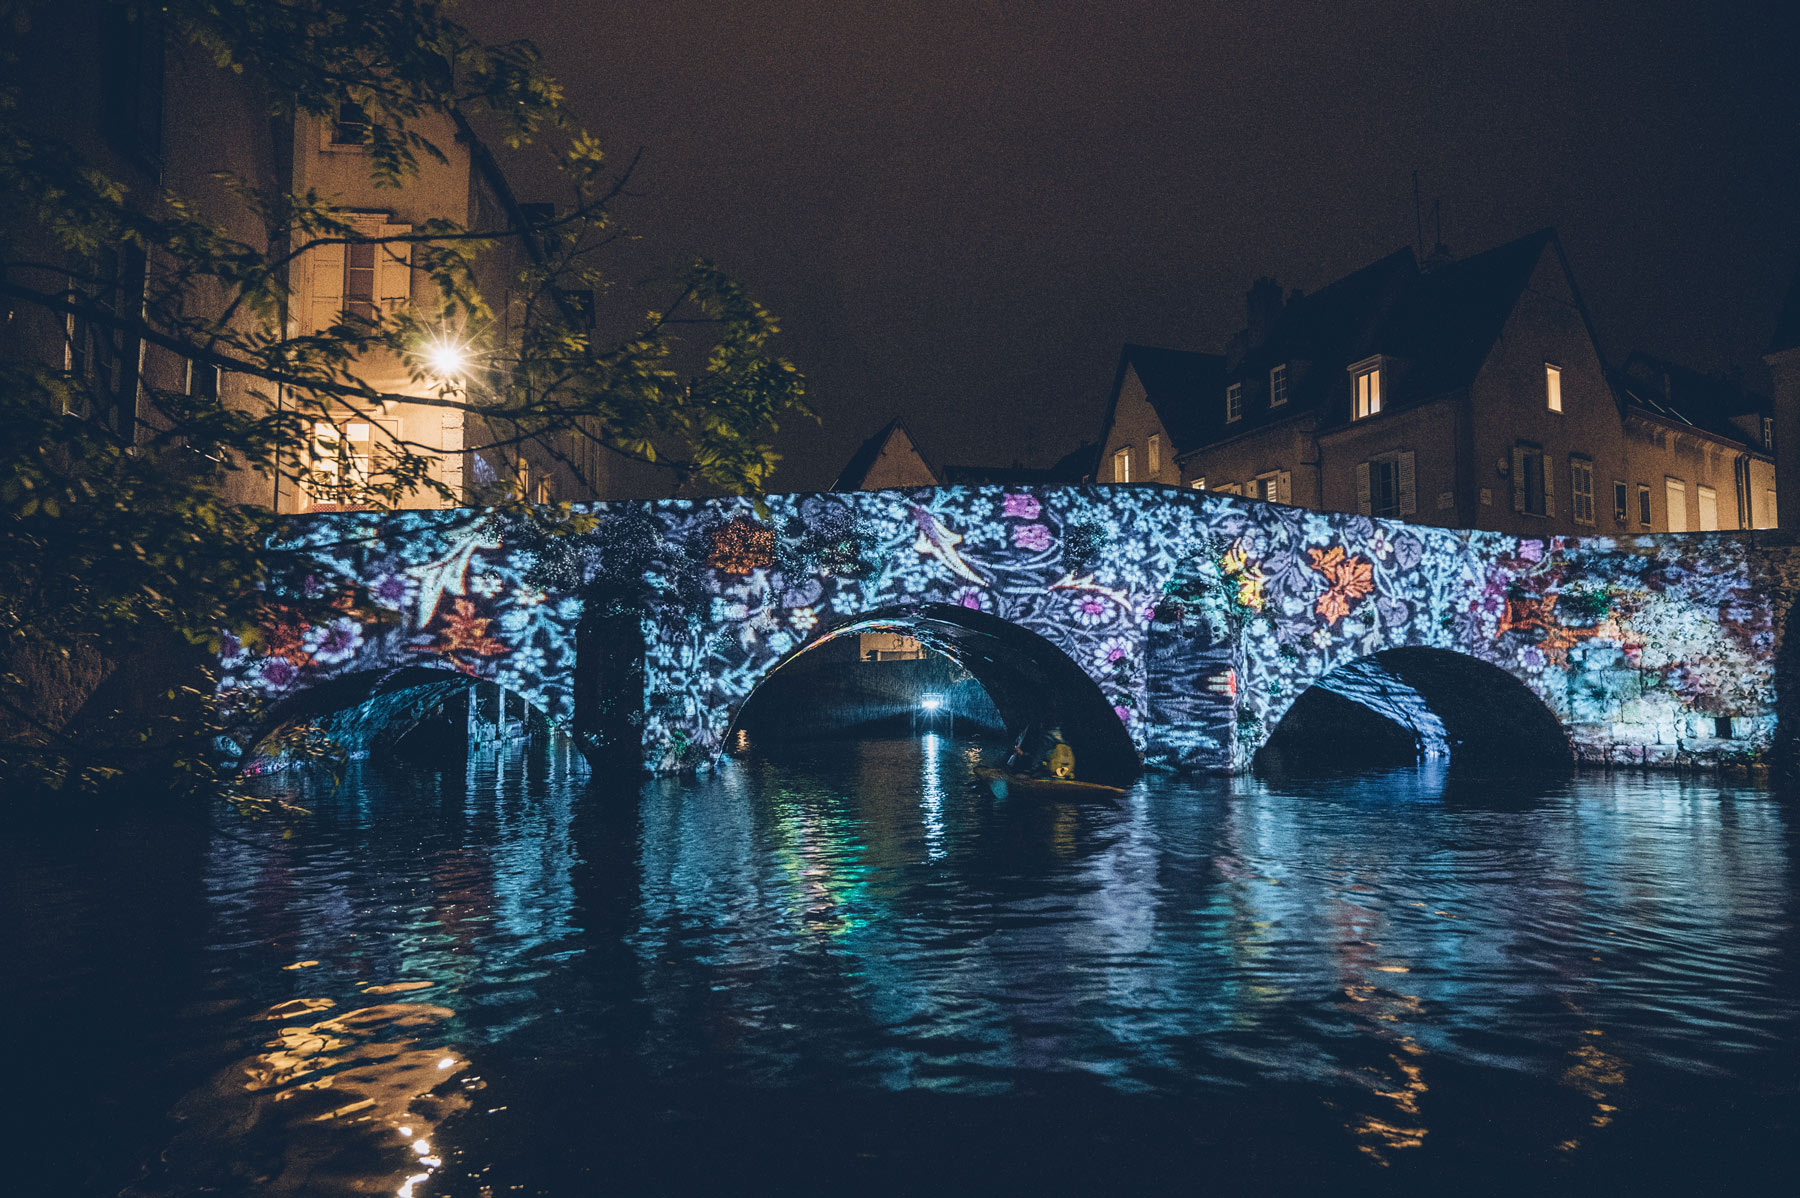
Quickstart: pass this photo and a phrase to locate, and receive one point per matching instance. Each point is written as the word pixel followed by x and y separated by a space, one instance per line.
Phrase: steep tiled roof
pixel 1177 383
pixel 1448 321
pixel 856 470
pixel 1681 395
pixel 1315 336
pixel 1438 325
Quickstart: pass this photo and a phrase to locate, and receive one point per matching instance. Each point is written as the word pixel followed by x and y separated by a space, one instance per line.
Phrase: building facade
pixel 1468 394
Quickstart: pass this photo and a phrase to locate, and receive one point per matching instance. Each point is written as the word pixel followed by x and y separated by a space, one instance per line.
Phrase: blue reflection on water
pixel 1383 954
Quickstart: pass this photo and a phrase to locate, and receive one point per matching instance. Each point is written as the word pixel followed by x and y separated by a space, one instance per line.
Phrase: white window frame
pixel 1675 503
pixel 1581 497
pixel 1278 385
pixel 1646 512
pixel 1272 486
pixel 1234 403
pixel 1199 484
pixel 1621 502
pixel 1365 401
pixel 1121 463
pixel 1553 394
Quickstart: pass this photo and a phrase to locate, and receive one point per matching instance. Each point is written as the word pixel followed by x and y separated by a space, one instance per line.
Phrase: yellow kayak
pixel 1003 783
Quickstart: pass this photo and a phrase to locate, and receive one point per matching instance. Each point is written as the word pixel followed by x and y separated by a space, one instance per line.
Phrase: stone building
pixel 1466 393
pixel 159 116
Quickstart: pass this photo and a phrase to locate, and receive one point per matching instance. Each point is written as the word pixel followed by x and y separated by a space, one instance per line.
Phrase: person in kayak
pixel 1043 754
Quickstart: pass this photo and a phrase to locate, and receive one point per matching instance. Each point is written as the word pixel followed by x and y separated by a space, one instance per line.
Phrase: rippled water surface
pixel 848 967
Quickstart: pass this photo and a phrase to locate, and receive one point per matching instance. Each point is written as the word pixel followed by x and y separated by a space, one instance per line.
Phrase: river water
pixel 845 967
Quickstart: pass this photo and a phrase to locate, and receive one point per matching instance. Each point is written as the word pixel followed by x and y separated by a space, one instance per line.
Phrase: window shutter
pixel 1409 502
pixel 327 286
pixel 1362 489
pixel 1549 488
pixel 1283 487
pixel 1518 478
pixel 393 269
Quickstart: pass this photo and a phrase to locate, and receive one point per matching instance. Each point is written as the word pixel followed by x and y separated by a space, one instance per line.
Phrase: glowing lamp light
pixel 447 359
pixel 931 702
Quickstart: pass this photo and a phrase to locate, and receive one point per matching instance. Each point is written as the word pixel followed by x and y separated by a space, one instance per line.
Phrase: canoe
pixel 1003 783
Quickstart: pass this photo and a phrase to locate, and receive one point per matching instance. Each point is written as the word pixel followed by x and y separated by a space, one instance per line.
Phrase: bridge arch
pixel 367 711
pixel 1416 703
pixel 1029 679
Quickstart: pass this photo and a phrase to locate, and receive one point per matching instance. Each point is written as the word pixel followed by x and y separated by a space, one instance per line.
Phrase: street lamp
pixel 447 359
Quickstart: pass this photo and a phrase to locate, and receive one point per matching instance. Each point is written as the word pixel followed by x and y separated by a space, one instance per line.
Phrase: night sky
pixel 961 210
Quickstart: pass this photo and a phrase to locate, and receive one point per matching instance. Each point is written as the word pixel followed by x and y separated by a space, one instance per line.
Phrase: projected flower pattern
pixel 1631 641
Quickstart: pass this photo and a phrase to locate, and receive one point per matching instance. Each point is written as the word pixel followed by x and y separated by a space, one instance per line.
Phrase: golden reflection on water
pixel 345 1104
pixel 1379 1133
pixel 1598 1075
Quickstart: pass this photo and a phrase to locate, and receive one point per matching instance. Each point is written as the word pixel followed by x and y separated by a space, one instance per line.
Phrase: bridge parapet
pixel 1199 619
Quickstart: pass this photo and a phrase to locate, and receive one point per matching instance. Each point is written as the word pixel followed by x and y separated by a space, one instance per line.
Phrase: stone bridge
pixel 1158 626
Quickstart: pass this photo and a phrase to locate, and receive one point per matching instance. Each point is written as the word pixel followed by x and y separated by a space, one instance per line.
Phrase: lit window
pixel 1366 389
pixel 359 280
pixel 1675 492
pixel 1553 386
pixel 1581 490
pixel 1271 487
pixel 1122 465
pixel 1199 484
pixel 1621 501
pixel 1153 458
pixel 341 460
pixel 1234 402
pixel 1709 509
pixel 1644 505
pixel 1278 386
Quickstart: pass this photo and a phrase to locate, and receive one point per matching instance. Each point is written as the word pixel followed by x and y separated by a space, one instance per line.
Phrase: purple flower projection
pixel 1199 623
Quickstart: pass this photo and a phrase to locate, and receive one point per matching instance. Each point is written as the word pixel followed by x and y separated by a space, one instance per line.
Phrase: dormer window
pixel 1553 386
pixel 1234 402
pixel 1365 388
pixel 1278 385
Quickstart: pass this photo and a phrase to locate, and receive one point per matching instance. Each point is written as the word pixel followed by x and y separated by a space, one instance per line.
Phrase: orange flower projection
pixel 1348 579
pixel 464 632
pixel 742 546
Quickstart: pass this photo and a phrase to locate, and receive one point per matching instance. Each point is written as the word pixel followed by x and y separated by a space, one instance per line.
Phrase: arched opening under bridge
pixel 420 714
pixel 1406 705
pixel 1023 680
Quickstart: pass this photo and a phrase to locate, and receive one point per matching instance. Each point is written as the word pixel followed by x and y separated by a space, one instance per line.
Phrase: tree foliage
pixel 116 533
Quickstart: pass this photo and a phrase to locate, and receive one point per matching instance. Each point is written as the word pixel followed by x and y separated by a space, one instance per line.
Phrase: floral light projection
pixel 1200 617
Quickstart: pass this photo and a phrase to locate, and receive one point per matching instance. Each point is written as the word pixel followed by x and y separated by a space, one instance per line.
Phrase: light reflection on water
pixel 1437 971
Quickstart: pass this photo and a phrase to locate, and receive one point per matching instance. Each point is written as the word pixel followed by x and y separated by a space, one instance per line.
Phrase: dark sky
pixel 961 209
